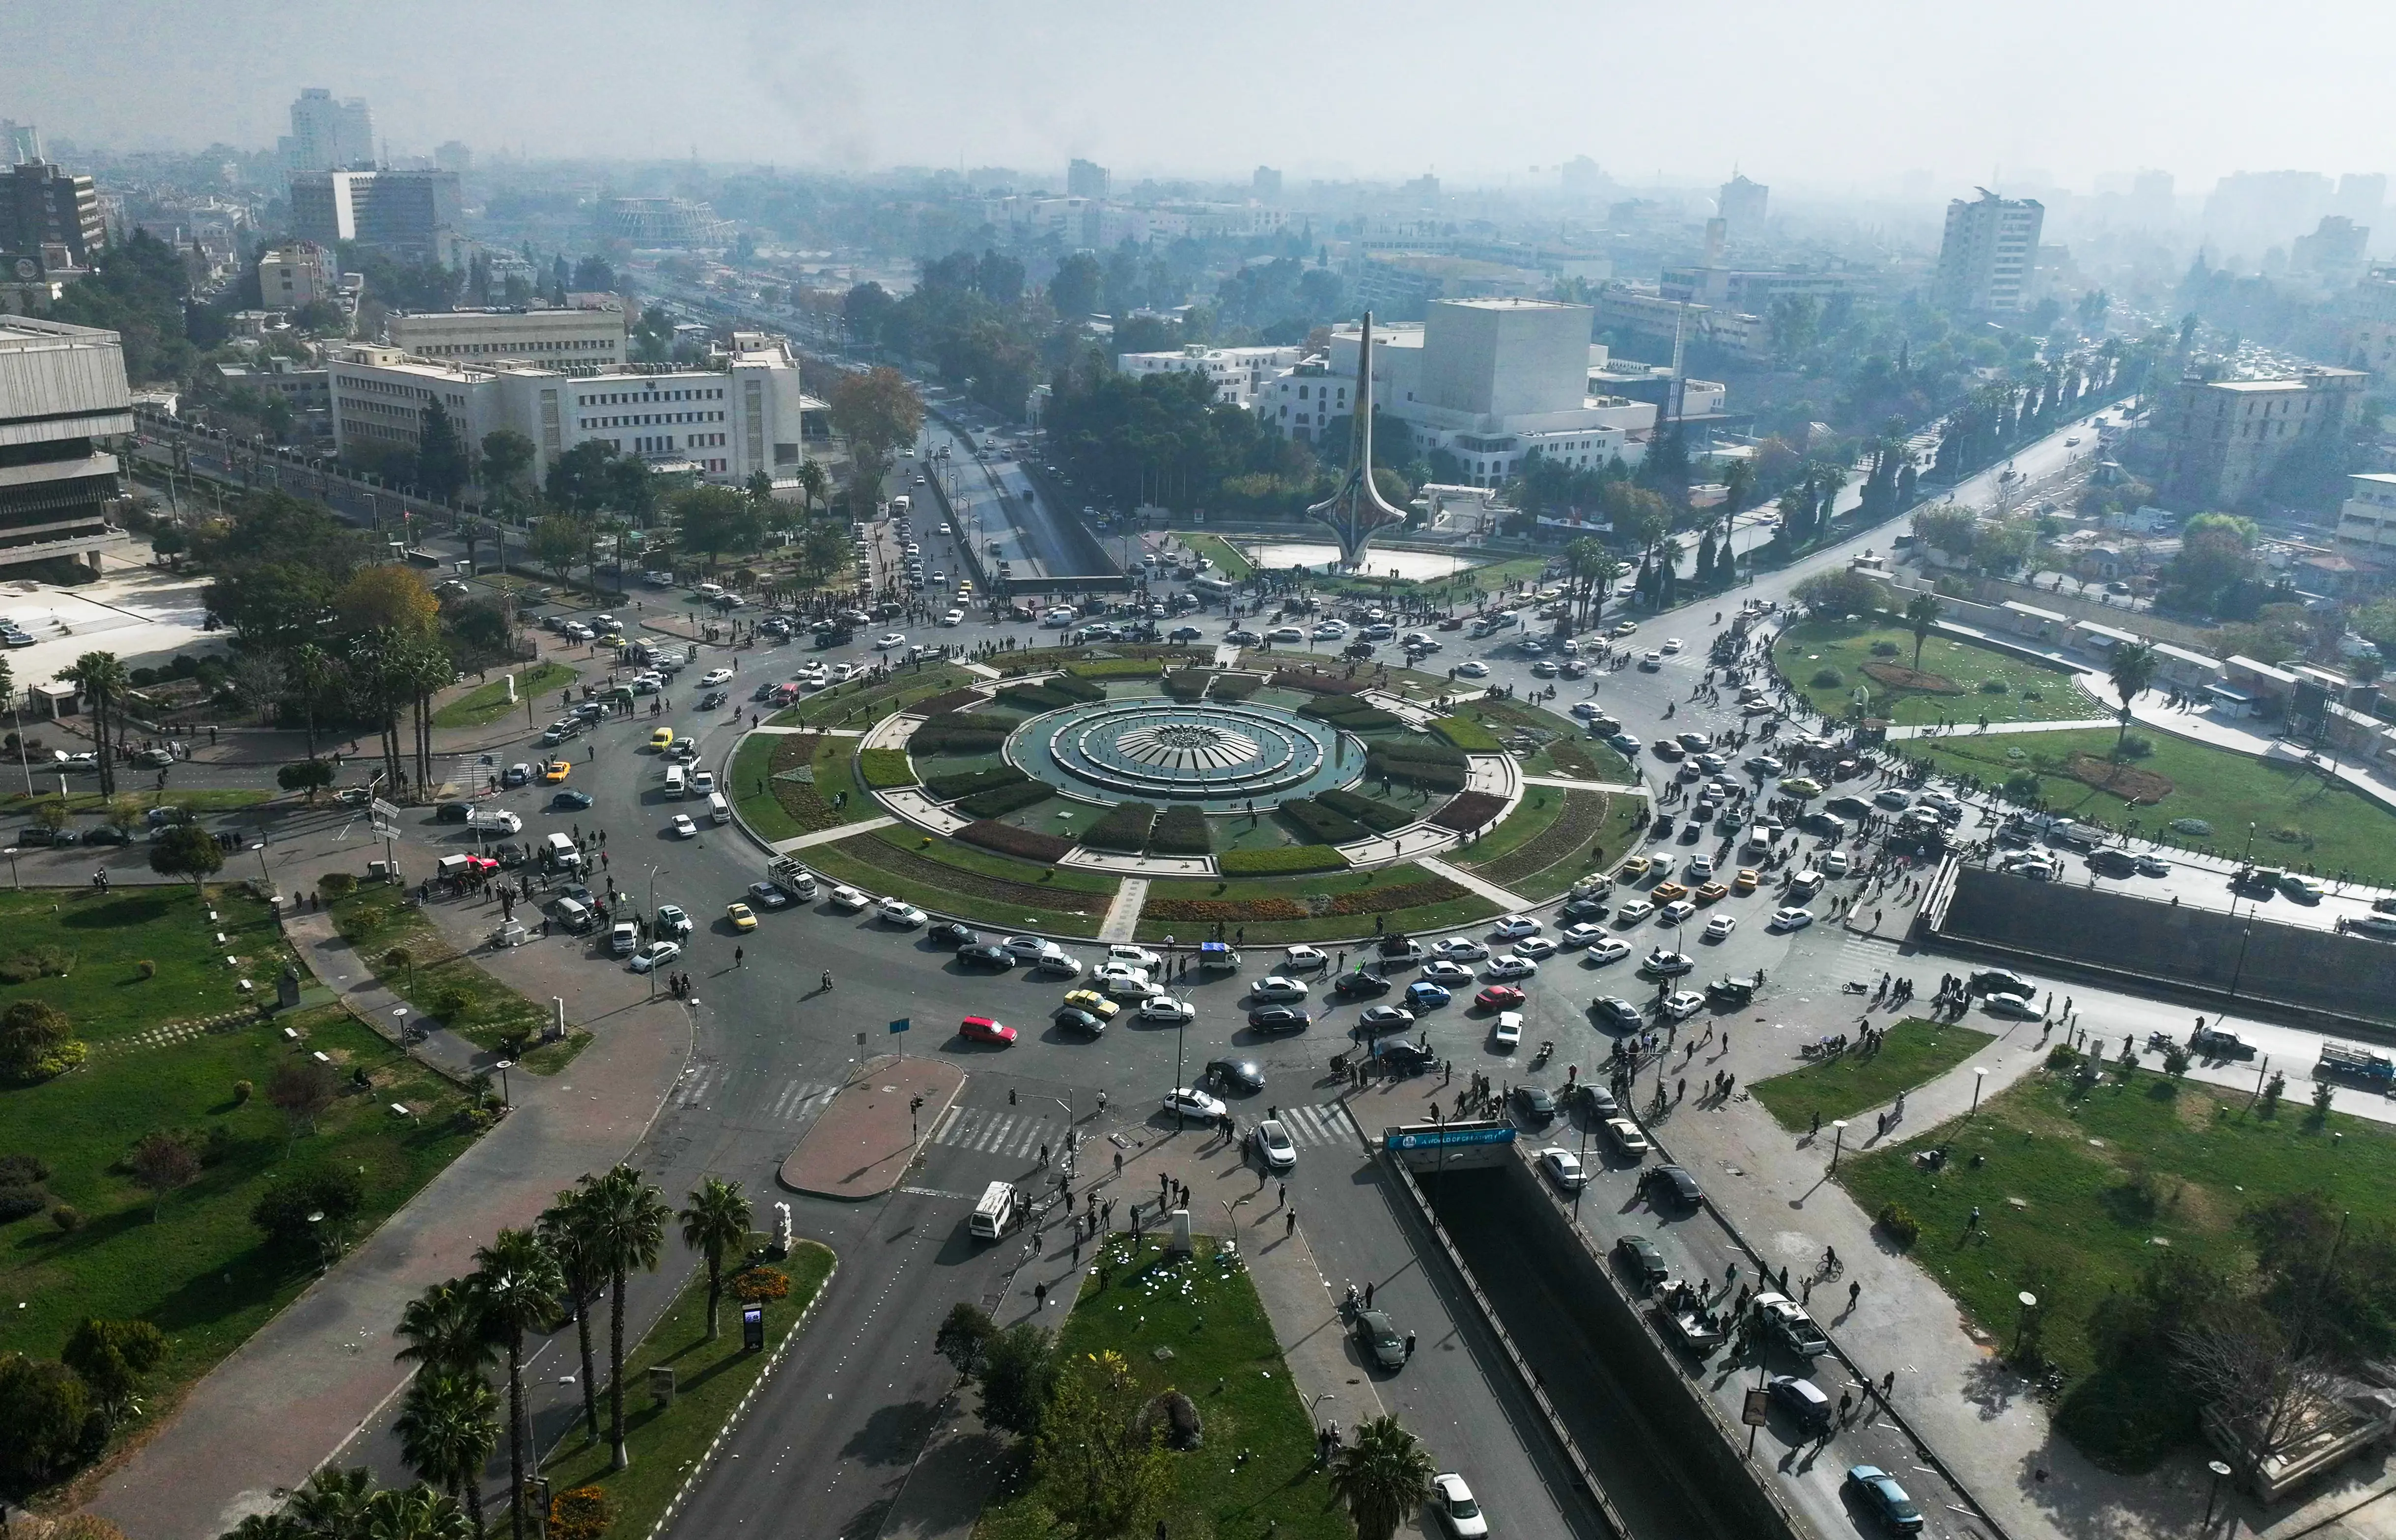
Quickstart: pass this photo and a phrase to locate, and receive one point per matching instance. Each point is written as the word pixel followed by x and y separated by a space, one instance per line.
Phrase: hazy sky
pixel 1826 94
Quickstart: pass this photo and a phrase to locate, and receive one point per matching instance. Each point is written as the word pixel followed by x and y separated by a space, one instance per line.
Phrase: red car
pixel 1499 997
pixel 983 1030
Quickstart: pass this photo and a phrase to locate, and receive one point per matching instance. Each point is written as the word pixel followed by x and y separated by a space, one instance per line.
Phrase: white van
pixel 717 808
pixel 677 783
pixel 1000 1210
pixel 561 853
pixel 709 591
pixel 574 915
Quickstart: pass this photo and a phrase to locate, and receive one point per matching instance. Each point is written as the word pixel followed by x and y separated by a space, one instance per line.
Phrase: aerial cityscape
pixel 1379 778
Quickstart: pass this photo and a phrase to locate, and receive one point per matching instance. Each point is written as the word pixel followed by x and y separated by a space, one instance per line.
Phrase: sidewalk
pixel 337 964
pixel 1512 903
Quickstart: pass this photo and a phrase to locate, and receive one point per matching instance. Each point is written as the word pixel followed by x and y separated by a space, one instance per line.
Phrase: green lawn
pixel 221 799
pixel 2301 818
pixel 440 983
pixel 1565 748
pixel 951 877
pixel 1571 836
pixel 101 941
pixel 1914 1053
pixel 1222 1356
pixel 2075 1193
pixel 779 810
pixel 1306 900
pixel 1228 563
pixel 709 1379
pixel 489 702
pixel 861 703
pixel 2031 694
pixel 199 1271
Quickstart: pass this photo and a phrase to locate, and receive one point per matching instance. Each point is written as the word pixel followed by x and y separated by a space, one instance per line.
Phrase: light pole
pixel 1838 1140
pixel 1979 1078
pixel 1327 1395
pixel 2220 1471
pixel 258 850
pixel 13 879
pixel 507 1097
pixel 653 920
pixel 1180 1033
pixel 2029 1303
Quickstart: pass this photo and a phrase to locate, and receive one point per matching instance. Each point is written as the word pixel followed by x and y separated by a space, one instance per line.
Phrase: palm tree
pixel 312 670
pixel 812 483
pixel 627 1228
pixel 104 680
pixel 333 1503
pixel 715 1225
pixel 1384 1478
pixel 426 669
pixel 447 1428
pixel 271 1526
pixel 1922 613
pixel 562 1228
pixel 519 1285
pixel 414 1513
pixel 445 1332
pixel 2132 670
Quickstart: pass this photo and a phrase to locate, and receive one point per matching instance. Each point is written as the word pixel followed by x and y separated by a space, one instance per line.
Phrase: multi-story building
pixel 1265 184
pixel 574 341
pixel 2366 521
pixel 1741 204
pixel 2370 314
pixel 19 142
pixel 62 393
pixel 328 135
pixel 1238 373
pixel 51 215
pixel 412 216
pixel 1635 311
pixel 306 388
pixel 724 422
pixel 1085 179
pixel 2224 436
pixel 296 274
pixel 1991 246
pixel 2334 253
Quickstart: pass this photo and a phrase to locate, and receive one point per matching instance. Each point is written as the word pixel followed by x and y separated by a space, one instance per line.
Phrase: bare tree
pixel 2239 1359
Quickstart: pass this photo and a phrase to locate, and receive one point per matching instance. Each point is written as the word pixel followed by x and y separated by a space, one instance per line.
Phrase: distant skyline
pixel 1844 95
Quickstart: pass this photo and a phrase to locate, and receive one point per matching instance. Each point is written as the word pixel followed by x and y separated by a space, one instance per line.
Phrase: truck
pixel 793 879
pixel 1787 1320
pixel 1215 955
pixel 494 820
pixel 2345 1061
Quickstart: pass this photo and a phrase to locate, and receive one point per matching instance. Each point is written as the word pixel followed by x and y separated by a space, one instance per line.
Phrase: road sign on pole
pixel 383 811
pixel 898 1026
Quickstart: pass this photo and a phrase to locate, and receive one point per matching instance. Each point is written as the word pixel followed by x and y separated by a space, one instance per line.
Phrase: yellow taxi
pixel 1712 893
pixel 1635 868
pixel 661 738
pixel 1746 880
pixel 555 771
pixel 743 917
pixel 1095 1003
pixel 1667 893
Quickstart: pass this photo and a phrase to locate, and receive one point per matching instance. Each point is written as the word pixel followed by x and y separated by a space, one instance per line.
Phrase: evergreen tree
pixel 440 458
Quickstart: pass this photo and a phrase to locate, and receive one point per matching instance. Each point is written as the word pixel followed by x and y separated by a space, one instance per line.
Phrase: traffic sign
pixel 1756 1410
pixel 899 1024
pixel 383 810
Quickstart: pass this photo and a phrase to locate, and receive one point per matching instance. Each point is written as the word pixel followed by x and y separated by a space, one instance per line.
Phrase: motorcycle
pixel 1547 1051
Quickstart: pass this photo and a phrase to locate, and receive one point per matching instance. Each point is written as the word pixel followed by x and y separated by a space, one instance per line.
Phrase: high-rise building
pixel 1583 178
pixel 1985 262
pixel 62 390
pixel 411 215
pixel 328 135
pixel 1085 179
pixel 19 142
pixel 1266 184
pixel 2360 197
pixel 2223 437
pixel 1742 203
pixel 2332 253
pixel 51 215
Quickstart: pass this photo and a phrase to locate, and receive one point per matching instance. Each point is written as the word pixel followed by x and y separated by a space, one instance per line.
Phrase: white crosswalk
pixel 1013 1131
pixel 790 1102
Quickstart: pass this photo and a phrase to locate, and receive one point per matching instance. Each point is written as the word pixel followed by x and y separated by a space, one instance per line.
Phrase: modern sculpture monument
pixel 1357 510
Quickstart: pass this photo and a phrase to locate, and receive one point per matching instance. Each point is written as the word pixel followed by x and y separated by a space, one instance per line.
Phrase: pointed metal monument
pixel 1357 510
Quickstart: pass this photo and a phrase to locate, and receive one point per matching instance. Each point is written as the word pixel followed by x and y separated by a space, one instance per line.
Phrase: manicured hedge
pixel 953 700
pixel 1420 749
pixel 1117 668
pixel 1473 810
pixel 1186 684
pixel 1006 799
pixel 1082 689
pixel 1439 774
pixel 1280 860
pixel 1325 826
pixel 961 733
pixel 1029 843
pixel 1125 829
pixel 1379 816
pixel 1466 735
pixel 1181 831
pixel 886 767
pixel 1321 683
pixel 950 788
pixel 1235 687
pixel 1035 697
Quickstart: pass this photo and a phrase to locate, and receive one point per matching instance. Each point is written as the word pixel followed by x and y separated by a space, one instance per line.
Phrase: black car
pixel 569 799
pixel 2110 862
pixel 1407 1058
pixel 1595 1098
pixel 1731 991
pixel 1641 1260
pixel 949 933
pixel 1535 1102
pixel 713 698
pixel 1074 1019
pixel 1279 1018
pixel 1848 807
pixel 982 955
pixel 1802 1399
pixel 1233 1075
pixel 451 812
pixel 1360 983
pixel 1582 910
pixel 1665 1184
pixel 1379 1340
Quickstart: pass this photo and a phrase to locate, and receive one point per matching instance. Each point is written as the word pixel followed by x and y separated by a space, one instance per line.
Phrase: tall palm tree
pixel 627 1219
pixel 1922 613
pixel 1384 1478
pixel 520 1287
pixel 311 672
pixel 447 1428
pixel 103 679
pixel 445 1331
pixel 813 484
pixel 414 1513
pixel 716 1226
pixel 334 1502
pixel 426 669
pixel 562 1228
pixel 2132 670
pixel 278 1525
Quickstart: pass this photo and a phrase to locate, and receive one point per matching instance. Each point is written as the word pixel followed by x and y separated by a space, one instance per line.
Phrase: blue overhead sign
pixel 1435 1138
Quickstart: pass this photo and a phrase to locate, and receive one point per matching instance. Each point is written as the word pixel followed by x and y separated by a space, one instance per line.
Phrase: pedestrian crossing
pixel 793 1101
pixel 1015 1133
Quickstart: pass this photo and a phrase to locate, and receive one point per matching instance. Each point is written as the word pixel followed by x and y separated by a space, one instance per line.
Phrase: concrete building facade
pixel 328 135
pixel 1238 373
pixel 1990 247
pixel 1085 179
pixel 63 393
pixel 51 215
pixel 576 341
pixel 1741 205
pixel 2224 436
pixel 412 216
pixel 296 274
pixel 2366 521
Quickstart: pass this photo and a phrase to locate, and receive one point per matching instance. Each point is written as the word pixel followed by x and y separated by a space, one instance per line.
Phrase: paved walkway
pixel 1123 916
pixel 825 836
pixel 862 1142
pixel 1513 903
pixel 1995 729
pixel 337 964
pixel 1623 789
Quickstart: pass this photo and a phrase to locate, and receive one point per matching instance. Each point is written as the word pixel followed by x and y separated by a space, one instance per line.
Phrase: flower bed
pixel 1470 811
pixel 1349 713
pixel 1380 900
pixel 1379 816
pixel 1466 734
pixel 1325 824
pixel 1230 911
pixel 1235 687
pixel 1318 683
pixel 952 700
pixel 933 878
pixel 1124 829
pixel 1577 827
pixel 1181 831
pixel 1438 766
pixel 961 733
pixel 1007 839
pixel 1284 859
pixel 1117 668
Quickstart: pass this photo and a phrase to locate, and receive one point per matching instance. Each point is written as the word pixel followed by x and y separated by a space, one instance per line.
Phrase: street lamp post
pixel 653 920
pixel 14 881
pixel 1979 1078
pixel 1180 1034
pixel 2029 1302
pixel 2220 1471
pixel 1838 1140
pixel 507 1097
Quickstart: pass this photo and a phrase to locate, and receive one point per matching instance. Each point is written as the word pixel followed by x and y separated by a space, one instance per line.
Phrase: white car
pixel 1675 911
pixel 954 617
pixel 1113 969
pixel 1190 1102
pixel 1472 671
pixel 888 640
pixel 1501 968
pixel 1285 633
pixel 1537 947
pixel 1666 963
pixel 1513 926
pixel 1583 934
pixel 1137 957
pixel 1445 974
pixel 848 898
pixel 1459 949
pixel 657 954
pixel 683 827
pixel 1791 918
pixel 1166 1008
pixel 843 672
pixel 897 911
pixel 1562 1167
pixel 1028 949
pixel 1684 1004
pixel 1128 985
pixel 1700 867
pixel 1835 863
pixel 1507 1031
pixel 1458 1509
pixel 1278 987
pixel 1303 959
pixel 1275 1145
pixel 1720 926
pixel 1632 913
pixel 716 676
pixel 1672 643
pixel 1610 950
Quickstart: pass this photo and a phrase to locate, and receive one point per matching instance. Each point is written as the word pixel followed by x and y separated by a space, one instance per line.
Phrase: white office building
pixel 724 422
pixel 296 274
pixel 1990 250
pixel 328 135
pixel 577 342
pixel 2366 521
pixel 1238 373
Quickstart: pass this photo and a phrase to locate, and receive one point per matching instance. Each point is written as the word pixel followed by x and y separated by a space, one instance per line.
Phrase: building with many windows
pixel 1741 205
pixel 328 135
pixel 411 216
pixel 581 341
pixel 1085 179
pixel 1238 373
pixel 51 215
pixel 2223 437
pixel 1990 248
pixel 62 394
pixel 296 274
pixel 2366 521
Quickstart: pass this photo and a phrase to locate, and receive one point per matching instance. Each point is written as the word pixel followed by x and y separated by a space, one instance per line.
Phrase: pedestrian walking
pixel 1855 1294
pixel 1289 1226
pixel 1368 1293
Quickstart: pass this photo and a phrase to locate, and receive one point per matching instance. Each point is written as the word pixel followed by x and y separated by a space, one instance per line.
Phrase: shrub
pixel 68 1217
pixel 1282 860
pixel 758 1284
pixel 1125 829
pixel 961 733
pixel 1828 679
pixel 1319 683
pixel 1994 686
pixel 1235 687
pixel 1035 697
pixel 1181 831
pixel 2062 1056
pixel 1422 750
pixel 952 787
pixel 1007 839
pixel 2136 746
pixel 1000 801
pixel 39 962
pixel 1323 824
pixel 1433 774
pixel 1074 689
pixel 31 1030
pixel 18 1203
pixel 24 1171
pixel 886 767
pixel 452 1003
pixel 2021 787
pixel 1379 816
pixel 242 1091
pixel 1115 667
pixel 582 1514
pixel 1186 684
pixel 1466 735
pixel 282 1211
pixel 1885 649
pixel 1898 1224
pixel 146 968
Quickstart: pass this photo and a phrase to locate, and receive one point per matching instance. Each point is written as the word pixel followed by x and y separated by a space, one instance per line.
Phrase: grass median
pixel 486 704
pixel 863 702
pixel 1912 1054
pixel 950 877
pixel 1314 907
pixel 1957 680
pixel 440 983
